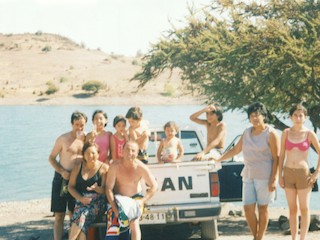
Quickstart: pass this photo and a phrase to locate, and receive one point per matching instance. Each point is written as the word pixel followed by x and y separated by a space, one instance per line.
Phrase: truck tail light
pixel 214 184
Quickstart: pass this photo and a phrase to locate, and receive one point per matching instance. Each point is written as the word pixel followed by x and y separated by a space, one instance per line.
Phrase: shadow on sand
pixel 31 230
pixel 42 99
pixel 83 95
pixel 239 227
pixel 43 230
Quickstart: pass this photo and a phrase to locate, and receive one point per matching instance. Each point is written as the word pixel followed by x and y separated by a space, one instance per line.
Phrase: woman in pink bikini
pixel 294 174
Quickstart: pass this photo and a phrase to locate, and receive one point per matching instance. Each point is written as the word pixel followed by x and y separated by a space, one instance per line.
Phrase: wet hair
pixel 258 107
pixel 218 111
pixel 134 113
pixel 78 115
pixel 103 113
pixel 86 146
pixel 119 118
pixel 171 124
pixel 296 107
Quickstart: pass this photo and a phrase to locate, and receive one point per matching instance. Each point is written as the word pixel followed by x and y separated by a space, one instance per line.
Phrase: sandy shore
pixel 33 220
pixel 134 100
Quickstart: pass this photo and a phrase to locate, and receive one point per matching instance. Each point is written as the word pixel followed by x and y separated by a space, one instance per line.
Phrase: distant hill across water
pixel 32 63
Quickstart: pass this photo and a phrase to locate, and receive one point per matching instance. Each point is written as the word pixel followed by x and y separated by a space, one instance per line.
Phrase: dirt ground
pixel 31 220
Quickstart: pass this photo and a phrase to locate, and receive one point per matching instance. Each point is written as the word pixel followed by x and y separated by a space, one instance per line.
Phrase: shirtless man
pixel 216 130
pixel 139 132
pixel 124 178
pixel 68 146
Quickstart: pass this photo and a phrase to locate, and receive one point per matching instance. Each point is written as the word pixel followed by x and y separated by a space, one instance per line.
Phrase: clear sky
pixel 118 26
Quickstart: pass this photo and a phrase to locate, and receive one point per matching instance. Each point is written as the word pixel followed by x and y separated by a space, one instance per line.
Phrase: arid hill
pixel 31 63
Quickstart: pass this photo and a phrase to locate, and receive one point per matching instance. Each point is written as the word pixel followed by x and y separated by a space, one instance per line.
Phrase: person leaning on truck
pixel 124 177
pixel 216 130
pixel 260 145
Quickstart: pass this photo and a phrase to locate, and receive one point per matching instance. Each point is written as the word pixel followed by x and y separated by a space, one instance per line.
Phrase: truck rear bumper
pixel 176 213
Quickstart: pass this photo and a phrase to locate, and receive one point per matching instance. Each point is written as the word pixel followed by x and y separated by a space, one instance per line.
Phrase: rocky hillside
pixel 30 64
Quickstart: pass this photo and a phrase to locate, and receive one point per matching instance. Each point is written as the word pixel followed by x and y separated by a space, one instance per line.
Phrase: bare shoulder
pixel 114 166
pixel 273 132
pixel 63 138
pixel 141 166
pixel 312 135
pixel 285 131
pixel 221 125
pixel 104 168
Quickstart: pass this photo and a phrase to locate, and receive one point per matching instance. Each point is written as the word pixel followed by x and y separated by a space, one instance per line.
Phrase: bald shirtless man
pixel 216 130
pixel 68 146
pixel 124 178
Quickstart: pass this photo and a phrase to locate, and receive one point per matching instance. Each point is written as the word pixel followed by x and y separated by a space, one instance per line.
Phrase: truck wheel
pixel 209 230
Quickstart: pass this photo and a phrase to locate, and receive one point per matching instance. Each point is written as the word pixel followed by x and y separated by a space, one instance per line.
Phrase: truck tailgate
pixel 185 182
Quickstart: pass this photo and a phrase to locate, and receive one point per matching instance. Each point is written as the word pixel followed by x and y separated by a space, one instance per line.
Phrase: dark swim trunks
pixel 58 202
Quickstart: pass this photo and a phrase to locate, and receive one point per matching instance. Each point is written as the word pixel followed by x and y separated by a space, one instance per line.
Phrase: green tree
pixel 237 53
pixel 93 86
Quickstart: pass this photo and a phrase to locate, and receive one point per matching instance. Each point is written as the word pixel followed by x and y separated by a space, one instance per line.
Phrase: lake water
pixel 28 134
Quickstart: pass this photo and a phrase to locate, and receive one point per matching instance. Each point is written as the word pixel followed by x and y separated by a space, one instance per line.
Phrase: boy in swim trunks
pixel 139 132
pixel 124 178
pixel 294 174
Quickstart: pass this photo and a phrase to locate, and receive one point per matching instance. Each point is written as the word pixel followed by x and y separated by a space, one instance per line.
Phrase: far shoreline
pixel 137 100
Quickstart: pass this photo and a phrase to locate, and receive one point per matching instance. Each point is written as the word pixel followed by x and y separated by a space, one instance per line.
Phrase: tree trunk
pixel 314 117
pixel 276 122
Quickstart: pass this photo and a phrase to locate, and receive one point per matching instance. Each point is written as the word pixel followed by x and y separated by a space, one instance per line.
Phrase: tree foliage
pixel 237 53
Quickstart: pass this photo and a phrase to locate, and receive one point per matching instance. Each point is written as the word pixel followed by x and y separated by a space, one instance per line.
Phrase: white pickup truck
pixel 190 191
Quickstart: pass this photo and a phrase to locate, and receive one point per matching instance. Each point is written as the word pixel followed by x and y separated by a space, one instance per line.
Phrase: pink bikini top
pixel 303 146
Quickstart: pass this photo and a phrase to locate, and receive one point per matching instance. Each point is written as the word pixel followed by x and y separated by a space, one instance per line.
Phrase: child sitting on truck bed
pixel 170 148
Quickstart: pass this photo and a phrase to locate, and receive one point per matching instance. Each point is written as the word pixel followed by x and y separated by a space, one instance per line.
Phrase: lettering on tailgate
pixel 185 182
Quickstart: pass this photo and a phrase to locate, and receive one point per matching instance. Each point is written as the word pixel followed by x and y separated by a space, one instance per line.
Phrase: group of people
pixel 100 165
pixel 94 167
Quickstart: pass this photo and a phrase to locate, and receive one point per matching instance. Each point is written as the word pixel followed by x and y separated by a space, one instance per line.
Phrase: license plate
pixel 153 218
